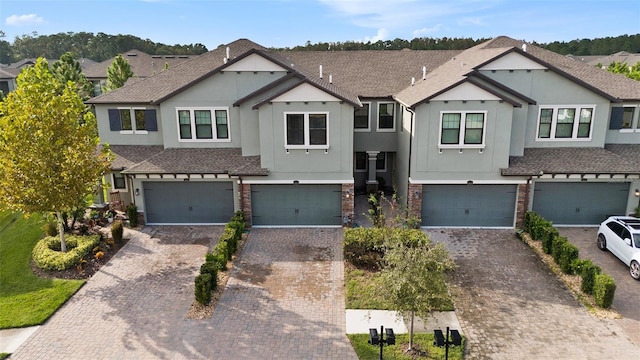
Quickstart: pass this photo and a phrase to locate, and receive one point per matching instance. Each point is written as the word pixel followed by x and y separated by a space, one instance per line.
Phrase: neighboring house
pixel 143 65
pixel 604 61
pixel 468 138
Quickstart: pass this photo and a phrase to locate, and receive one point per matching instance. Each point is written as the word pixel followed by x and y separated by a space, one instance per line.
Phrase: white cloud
pixel 22 20
pixel 471 21
pixel 426 31
pixel 382 34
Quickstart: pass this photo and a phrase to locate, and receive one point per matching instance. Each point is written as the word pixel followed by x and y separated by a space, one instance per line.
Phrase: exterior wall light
pixel 137 192
pixel 637 193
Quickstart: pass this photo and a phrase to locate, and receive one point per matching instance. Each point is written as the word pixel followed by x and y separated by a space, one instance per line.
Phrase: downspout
pixel 410 148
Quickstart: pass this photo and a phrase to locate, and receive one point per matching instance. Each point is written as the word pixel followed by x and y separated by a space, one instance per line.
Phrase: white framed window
pixel 565 122
pixel 203 124
pixel 118 181
pixel 462 129
pixel 362 118
pixel 133 120
pixel 386 116
pixel 306 130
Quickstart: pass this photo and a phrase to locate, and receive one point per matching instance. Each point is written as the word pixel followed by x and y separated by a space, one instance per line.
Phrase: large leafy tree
pixel 117 73
pixel 632 72
pixel 48 147
pixel 68 69
pixel 413 275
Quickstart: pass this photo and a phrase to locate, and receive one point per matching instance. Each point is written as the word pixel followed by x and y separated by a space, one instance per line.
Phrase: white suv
pixel 621 236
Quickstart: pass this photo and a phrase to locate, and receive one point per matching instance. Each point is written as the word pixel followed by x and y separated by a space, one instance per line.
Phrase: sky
pixel 287 23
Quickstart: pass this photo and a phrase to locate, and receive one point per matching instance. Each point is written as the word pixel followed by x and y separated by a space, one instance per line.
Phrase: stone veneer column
pixel 414 202
pixel 348 200
pixel 245 190
pixel 521 206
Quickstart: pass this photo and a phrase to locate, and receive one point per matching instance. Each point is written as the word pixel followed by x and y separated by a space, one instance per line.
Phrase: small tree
pixel 413 277
pixel 117 74
pixel 48 146
pixel 68 69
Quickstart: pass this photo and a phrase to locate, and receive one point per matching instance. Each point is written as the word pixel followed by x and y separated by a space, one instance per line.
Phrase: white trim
pixel 296 226
pixel 132 114
pixel 368 128
pixel 634 119
pixel 306 130
pixel 189 224
pixel 468 227
pixel 303 182
pixel 462 130
pixel 378 129
pixel 113 182
pixel 576 122
pixel 464 182
pixel 192 120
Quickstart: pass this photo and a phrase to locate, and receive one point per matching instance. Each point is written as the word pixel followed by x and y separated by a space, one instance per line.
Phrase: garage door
pixel 188 202
pixel 468 205
pixel 579 203
pixel 296 204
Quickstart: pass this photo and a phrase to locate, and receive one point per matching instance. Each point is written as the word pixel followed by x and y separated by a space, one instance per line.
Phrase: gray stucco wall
pixel 626 136
pixel 376 140
pixel 116 138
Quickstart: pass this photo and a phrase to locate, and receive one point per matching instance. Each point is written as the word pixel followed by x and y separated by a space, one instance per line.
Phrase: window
pixel 306 130
pixel 361 161
pixel 386 118
pixel 565 122
pixel 133 120
pixel 118 180
pixel 462 129
pixel 198 124
pixel 627 117
pixel 361 118
pixel 381 161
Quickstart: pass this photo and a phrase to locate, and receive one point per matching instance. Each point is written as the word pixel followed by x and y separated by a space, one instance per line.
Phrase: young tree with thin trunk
pixel 48 146
pixel 117 74
pixel 68 69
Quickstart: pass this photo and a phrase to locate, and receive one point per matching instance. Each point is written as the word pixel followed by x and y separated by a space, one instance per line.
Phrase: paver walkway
pixel 511 307
pixel 284 300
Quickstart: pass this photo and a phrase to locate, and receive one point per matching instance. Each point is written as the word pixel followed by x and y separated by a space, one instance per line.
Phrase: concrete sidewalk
pixel 360 321
pixel 11 339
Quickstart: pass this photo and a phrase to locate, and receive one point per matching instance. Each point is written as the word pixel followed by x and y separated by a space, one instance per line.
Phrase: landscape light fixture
pixel 374 339
pixel 440 340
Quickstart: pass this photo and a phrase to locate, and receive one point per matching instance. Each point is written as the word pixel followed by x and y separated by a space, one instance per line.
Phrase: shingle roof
pixel 630 152
pixel 129 155
pixel 199 161
pixel 142 64
pixel 537 161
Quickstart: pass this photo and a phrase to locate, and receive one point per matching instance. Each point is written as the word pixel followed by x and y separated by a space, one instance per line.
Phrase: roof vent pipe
pixel 524 47
pixel 228 51
pixel 320 71
pixel 224 60
pixel 413 81
pixel 424 72
pixel 330 79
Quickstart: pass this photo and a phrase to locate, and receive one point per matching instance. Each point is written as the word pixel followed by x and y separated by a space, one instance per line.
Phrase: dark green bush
pixel 132 214
pixel 536 225
pixel 45 255
pixel 203 289
pixel 238 227
pixel 556 248
pixel 238 216
pixel 604 289
pixel 588 274
pixel 568 253
pixel 51 229
pixel 209 257
pixel 117 230
pixel 210 268
pixel 548 236
pixel 222 249
pixel 363 247
pixel 229 236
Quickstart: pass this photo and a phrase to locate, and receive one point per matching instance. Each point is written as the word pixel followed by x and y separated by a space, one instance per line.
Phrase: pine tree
pixel 117 74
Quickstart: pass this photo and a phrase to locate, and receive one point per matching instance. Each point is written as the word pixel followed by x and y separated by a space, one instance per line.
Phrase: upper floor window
pixel 462 129
pixel 306 130
pixel 386 116
pixel 203 124
pixel 565 122
pixel 361 118
pixel 133 120
pixel 624 119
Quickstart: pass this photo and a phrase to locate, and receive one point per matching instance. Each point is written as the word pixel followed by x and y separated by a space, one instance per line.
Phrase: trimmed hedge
pixel 548 236
pixel 210 268
pixel 203 288
pixel 46 254
pixel 568 253
pixel 604 289
pixel 117 231
pixel 588 274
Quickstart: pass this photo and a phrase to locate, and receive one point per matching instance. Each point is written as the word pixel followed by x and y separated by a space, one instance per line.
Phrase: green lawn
pixel 26 299
pixel 422 341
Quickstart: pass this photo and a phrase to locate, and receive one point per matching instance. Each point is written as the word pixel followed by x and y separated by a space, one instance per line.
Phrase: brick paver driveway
pixel 627 297
pixel 284 300
pixel 511 307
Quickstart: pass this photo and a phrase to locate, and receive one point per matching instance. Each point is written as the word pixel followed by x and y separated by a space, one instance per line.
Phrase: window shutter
pixel 151 119
pixel 616 118
pixel 114 120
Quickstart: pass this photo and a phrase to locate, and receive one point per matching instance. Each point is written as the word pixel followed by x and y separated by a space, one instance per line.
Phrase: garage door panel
pixel 468 205
pixel 579 203
pixel 188 202
pixel 296 204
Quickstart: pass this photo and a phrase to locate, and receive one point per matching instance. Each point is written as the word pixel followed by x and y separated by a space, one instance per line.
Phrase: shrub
pixel 557 246
pixel 238 227
pixel 604 289
pixel 208 257
pixel 46 254
pixel 588 274
pixel 568 253
pixel 221 252
pixel 132 214
pixel 363 247
pixel 238 216
pixel 203 289
pixel 229 236
pixel 210 268
pixel 51 229
pixel 117 230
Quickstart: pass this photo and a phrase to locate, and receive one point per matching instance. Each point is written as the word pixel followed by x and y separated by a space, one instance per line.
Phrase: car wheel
pixel 634 270
pixel 602 242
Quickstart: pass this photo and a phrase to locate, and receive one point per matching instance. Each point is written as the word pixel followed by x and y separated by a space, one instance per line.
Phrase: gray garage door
pixel 296 204
pixel 579 203
pixel 188 202
pixel 468 205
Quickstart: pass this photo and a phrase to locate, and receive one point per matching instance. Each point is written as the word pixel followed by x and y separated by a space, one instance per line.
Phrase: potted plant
pixel 110 214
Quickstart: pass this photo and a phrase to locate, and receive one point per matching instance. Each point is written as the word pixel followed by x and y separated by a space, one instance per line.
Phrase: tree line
pixel 97 47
